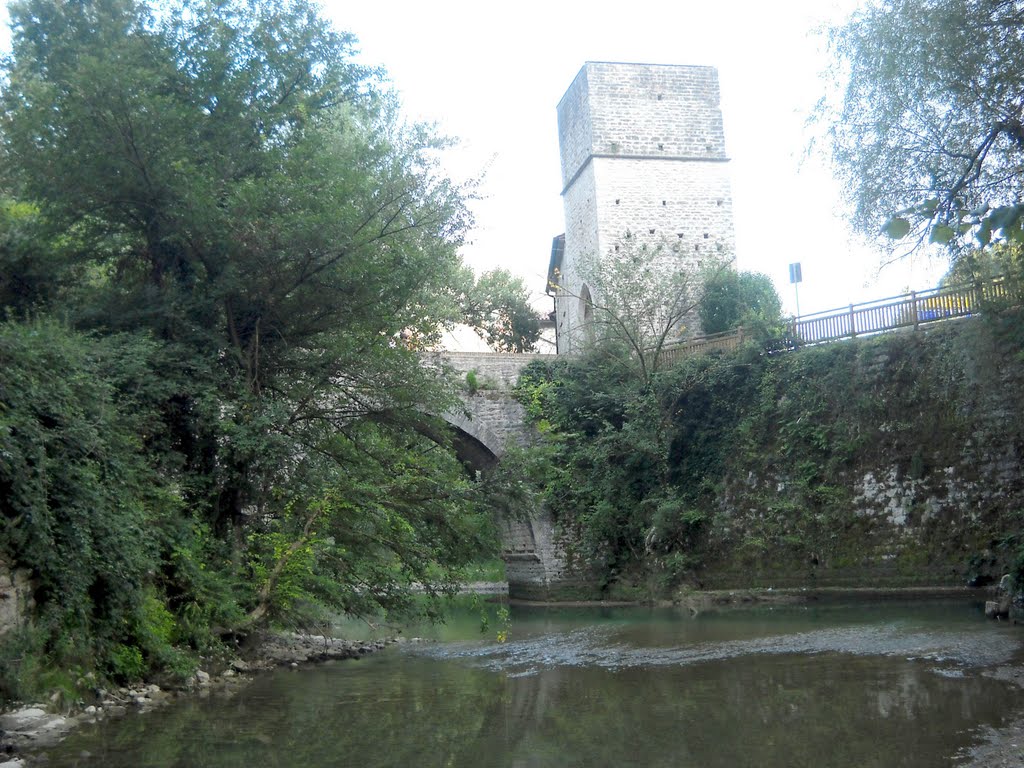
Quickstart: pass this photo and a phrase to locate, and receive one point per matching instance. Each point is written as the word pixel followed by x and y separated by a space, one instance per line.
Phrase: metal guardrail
pixel 910 310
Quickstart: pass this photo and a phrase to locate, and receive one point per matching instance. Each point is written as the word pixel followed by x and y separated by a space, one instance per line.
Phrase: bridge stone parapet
pixel 490 413
pixel 493 421
pixel 500 369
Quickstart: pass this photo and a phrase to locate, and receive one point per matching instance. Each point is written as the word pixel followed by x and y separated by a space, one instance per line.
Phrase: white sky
pixel 491 74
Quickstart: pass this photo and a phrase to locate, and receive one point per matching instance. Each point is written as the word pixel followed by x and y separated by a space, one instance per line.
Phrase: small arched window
pixel 586 313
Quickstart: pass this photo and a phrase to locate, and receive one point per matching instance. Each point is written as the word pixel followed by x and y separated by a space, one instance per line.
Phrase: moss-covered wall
pixel 894 460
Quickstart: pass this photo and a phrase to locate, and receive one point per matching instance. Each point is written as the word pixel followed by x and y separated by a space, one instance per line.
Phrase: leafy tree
pixel 31 274
pixel 928 136
pixel 499 308
pixel 732 299
pixel 640 301
pixel 1000 260
pixel 607 416
pixel 395 518
pixel 102 527
pixel 224 181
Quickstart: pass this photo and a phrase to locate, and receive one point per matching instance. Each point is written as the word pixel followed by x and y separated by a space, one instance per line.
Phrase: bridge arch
pixel 476 444
pixel 488 422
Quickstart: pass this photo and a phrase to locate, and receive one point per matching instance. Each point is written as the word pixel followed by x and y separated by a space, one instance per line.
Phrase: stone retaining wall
pixel 16 601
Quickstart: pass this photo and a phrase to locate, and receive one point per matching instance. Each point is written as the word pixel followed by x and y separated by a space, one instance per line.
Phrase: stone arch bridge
pixel 488 424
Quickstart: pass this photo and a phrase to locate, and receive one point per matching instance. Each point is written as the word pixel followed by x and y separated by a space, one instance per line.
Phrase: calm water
pixel 889 685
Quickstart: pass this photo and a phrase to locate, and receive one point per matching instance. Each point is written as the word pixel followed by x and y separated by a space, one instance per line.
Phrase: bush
pixel 126 663
pixel 81 506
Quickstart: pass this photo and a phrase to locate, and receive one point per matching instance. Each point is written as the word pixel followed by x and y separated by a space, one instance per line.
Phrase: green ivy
pixel 752 459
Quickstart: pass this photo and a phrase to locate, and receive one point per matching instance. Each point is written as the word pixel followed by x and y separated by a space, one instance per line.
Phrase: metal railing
pixel 911 310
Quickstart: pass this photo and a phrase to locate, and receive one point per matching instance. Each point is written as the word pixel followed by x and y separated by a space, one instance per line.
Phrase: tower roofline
pixel 631 64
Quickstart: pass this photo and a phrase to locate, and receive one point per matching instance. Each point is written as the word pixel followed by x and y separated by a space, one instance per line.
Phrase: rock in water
pixel 994 609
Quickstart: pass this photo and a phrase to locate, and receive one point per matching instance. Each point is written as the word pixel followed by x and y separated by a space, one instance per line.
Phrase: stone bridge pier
pixel 490 422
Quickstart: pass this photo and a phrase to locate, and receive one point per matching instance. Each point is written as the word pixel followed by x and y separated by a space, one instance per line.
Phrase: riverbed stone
pixel 995 610
pixel 22 718
pixel 33 726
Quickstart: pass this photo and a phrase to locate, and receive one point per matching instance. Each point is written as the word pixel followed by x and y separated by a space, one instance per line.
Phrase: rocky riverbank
pixel 32 728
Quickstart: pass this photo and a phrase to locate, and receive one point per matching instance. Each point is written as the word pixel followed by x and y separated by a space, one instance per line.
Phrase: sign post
pixel 796 277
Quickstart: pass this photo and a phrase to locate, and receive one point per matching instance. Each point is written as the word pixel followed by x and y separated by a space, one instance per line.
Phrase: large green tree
pixel 732 299
pixel 498 305
pixel 223 179
pixel 927 135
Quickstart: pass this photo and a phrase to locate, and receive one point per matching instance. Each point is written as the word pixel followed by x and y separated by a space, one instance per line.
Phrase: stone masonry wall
pixel 575 128
pixel 660 111
pixel 582 233
pixel 535 563
pixel 15 598
pixel 498 369
pixel 929 489
pixel 643 153
pixel 646 199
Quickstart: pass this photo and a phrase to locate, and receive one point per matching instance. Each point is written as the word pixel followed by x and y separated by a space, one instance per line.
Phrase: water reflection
pixel 471 704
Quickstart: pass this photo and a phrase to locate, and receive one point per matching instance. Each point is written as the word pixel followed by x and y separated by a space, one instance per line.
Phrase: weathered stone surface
pixel 15 597
pixel 490 415
pixel 926 490
pixel 23 718
pixel 33 726
pixel 296 648
pixel 643 152
pixel 534 556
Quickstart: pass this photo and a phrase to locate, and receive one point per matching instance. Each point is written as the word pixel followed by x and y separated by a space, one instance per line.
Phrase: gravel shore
pixel 31 729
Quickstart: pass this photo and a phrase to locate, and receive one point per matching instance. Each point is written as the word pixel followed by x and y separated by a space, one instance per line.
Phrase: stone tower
pixel 643 152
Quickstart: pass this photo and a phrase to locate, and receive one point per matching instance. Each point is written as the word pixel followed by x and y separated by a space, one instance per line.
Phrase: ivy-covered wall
pixel 885 461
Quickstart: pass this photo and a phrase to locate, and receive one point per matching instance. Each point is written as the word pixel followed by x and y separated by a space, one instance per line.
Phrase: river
pixel 894 684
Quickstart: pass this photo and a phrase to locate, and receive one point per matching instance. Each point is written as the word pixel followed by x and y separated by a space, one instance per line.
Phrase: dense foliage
pixel 927 136
pixel 246 247
pixel 125 576
pixel 731 299
pixel 747 464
